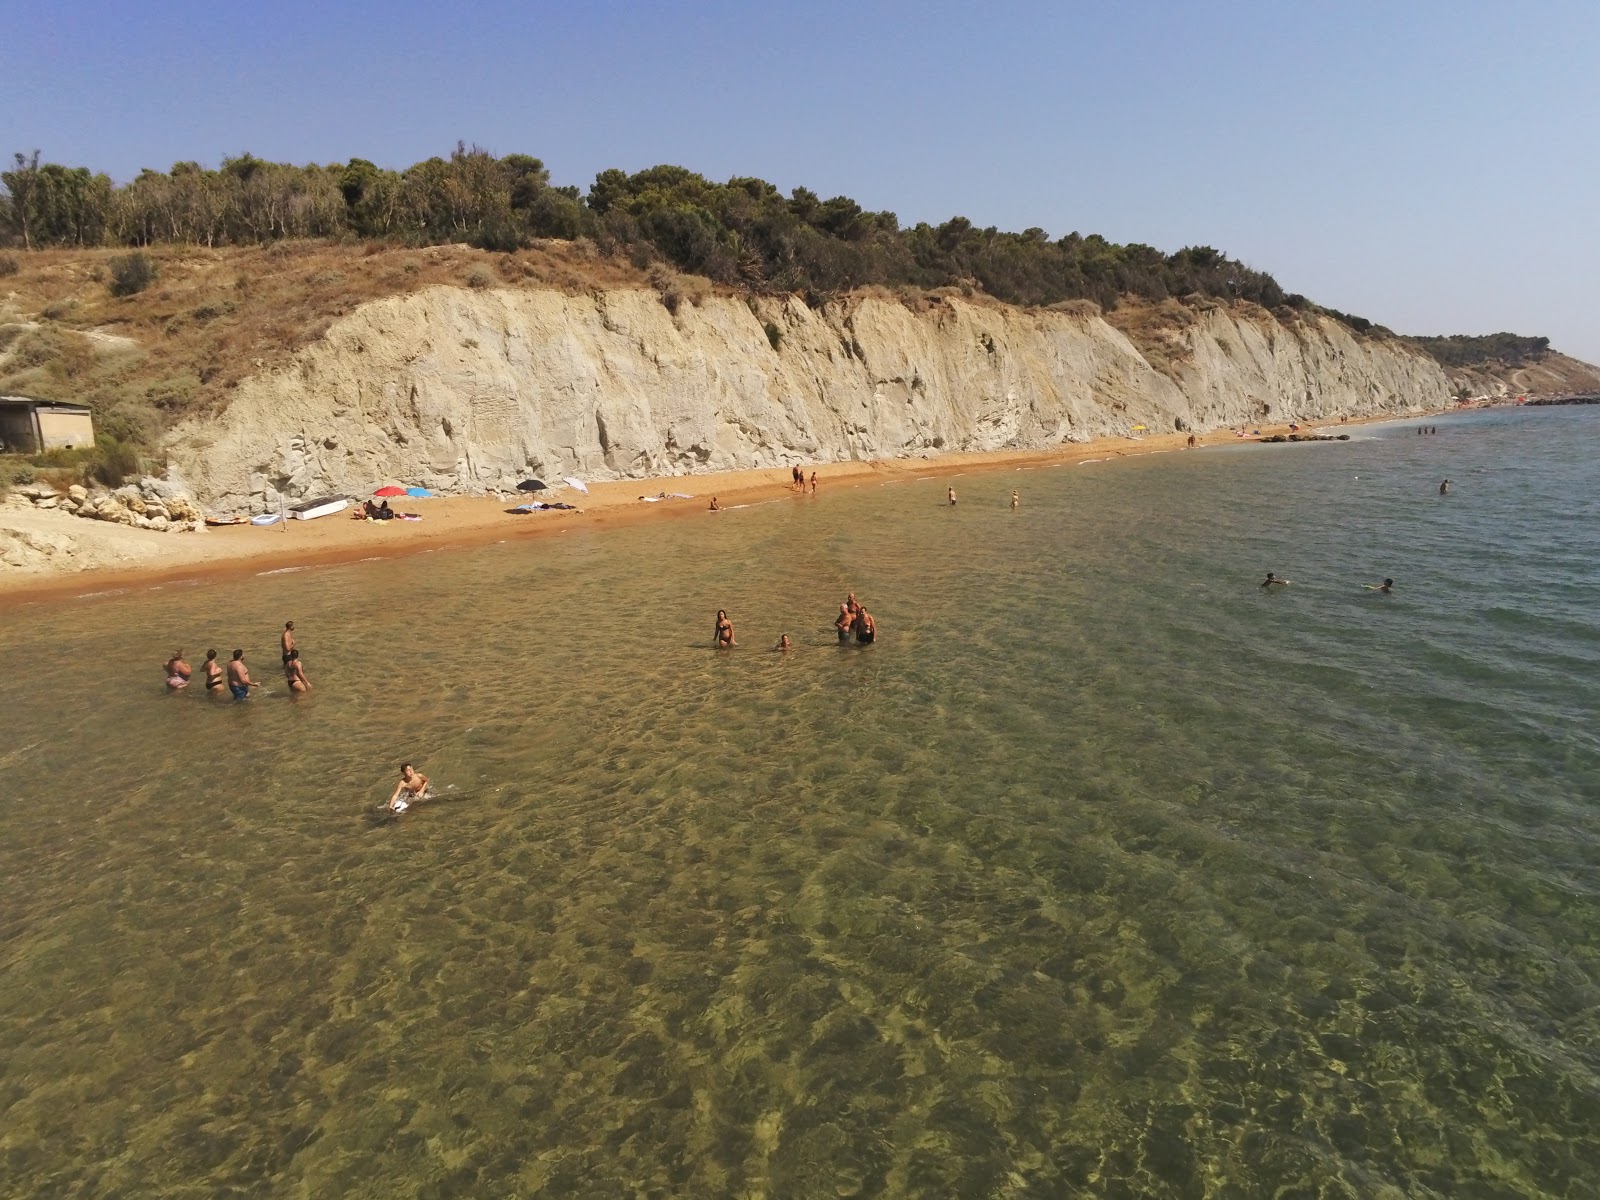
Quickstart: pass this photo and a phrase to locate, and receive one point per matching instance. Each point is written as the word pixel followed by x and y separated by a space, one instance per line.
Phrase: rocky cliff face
pixel 463 390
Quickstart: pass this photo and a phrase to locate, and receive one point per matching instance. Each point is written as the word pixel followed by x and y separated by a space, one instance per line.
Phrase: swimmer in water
pixel 1016 501
pixel 411 788
pixel 214 678
pixel 239 681
pixel 177 672
pixel 1444 488
pixel 1386 586
pixel 784 643
pixel 1272 581
pixel 294 674
pixel 843 623
pixel 724 630
pixel 866 628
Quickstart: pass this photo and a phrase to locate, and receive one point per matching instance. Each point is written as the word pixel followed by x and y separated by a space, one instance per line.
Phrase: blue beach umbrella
pixel 419 493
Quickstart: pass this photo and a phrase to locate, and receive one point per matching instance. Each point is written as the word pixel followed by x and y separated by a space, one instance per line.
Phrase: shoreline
pixel 462 522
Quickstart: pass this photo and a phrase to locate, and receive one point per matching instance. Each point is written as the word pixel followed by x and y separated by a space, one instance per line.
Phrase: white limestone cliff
pixel 471 390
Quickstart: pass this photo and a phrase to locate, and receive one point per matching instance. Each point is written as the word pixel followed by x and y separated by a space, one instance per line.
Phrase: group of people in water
pixel 853 621
pixel 235 675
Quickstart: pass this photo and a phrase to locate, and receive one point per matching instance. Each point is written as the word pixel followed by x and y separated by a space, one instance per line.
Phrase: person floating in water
pixel 176 671
pixel 951 493
pixel 724 634
pixel 1386 586
pixel 214 676
pixel 294 674
pixel 239 681
pixel 1272 581
pixel 784 643
pixel 1016 501
pixel 413 787
pixel 1444 488
pixel 286 640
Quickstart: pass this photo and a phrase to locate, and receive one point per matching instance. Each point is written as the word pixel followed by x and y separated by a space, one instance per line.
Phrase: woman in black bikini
pixel 213 671
pixel 724 630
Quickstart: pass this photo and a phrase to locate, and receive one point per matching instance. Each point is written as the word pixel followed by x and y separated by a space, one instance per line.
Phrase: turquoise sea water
pixel 1103 873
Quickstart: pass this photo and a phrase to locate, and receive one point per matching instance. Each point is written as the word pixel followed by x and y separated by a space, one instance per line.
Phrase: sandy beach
pixel 115 558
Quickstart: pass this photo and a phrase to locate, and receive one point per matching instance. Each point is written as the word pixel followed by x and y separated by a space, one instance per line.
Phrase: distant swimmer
pixel 294 674
pixel 1016 501
pixel 239 681
pixel 412 788
pixel 1444 488
pixel 784 643
pixel 1386 586
pixel 177 671
pixel 952 495
pixel 866 628
pixel 715 507
pixel 286 640
pixel 724 630
pixel 1272 581
pixel 214 678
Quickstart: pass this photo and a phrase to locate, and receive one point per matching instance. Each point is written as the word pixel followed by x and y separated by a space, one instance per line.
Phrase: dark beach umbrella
pixel 532 485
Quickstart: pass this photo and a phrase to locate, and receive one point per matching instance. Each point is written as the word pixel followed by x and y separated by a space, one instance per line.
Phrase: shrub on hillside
pixel 480 277
pixel 113 462
pixel 9 264
pixel 131 273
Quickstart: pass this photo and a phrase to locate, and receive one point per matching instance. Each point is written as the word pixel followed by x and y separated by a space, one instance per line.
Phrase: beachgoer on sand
pixel 724 631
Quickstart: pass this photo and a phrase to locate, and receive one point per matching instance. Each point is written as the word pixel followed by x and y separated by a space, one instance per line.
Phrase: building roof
pixel 32 402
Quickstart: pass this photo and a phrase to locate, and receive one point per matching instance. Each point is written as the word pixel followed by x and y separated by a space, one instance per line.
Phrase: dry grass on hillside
pixel 213 316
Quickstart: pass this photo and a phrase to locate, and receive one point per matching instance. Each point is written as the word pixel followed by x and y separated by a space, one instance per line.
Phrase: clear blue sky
pixel 1430 165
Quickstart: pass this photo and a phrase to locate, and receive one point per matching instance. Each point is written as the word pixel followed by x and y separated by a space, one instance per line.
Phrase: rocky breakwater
pixel 471 391
pixel 154 504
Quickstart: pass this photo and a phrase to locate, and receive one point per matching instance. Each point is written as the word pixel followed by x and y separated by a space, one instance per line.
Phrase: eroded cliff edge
pixel 467 390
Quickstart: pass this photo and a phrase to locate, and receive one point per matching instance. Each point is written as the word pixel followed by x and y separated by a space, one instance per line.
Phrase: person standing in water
pixel 411 788
pixel 844 622
pixel 1272 581
pixel 286 640
pixel 813 483
pixel 214 678
pixel 724 635
pixel 866 628
pixel 951 494
pixel 239 681
pixel 1444 488
pixel 177 672
pixel 294 674
pixel 1016 501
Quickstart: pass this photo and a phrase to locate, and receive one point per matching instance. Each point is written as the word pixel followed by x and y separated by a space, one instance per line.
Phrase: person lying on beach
pixel 1386 586
pixel 1272 581
pixel 724 630
pixel 213 671
pixel 783 643
pixel 359 513
pixel 411 789
pixel 239 681
pixel 845 622
pixel 294 674
pixel 177 671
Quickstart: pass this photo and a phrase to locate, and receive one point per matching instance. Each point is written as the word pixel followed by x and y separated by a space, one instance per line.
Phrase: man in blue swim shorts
pixel 239 681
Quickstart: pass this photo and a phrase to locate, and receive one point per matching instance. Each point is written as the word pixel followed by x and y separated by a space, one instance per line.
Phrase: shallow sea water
pixel 1103 873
